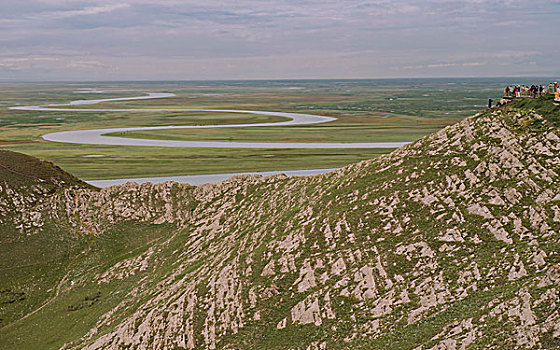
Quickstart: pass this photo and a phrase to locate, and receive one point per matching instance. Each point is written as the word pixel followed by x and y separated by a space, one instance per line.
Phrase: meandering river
pixel 99 137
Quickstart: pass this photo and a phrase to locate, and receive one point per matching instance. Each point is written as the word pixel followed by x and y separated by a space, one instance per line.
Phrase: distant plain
pixel 367 111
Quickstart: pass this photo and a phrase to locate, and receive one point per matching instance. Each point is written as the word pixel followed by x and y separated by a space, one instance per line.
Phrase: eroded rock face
pixel 459 229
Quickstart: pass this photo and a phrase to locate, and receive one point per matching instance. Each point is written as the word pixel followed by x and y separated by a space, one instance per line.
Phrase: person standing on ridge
pixel 533 91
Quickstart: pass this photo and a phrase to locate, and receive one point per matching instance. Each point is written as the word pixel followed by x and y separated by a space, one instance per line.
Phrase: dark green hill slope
pixel 18 169
pixel 30 264
pixel 452 242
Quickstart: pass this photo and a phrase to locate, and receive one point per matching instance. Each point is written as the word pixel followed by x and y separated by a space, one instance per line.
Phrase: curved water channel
pixel 99 137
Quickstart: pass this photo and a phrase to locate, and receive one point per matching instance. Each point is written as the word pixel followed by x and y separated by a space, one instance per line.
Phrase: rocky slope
pixel 25 181
pixel 452 242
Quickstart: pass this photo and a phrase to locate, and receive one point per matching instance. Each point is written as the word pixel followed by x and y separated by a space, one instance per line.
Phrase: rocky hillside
pixel 25 181
pixel 452 242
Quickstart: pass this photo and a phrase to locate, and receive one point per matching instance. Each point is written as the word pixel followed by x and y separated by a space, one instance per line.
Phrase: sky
pixel 279 39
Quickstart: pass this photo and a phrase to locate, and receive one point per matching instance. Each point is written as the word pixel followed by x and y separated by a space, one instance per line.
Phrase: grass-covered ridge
pixel 543 105
pixel 21 169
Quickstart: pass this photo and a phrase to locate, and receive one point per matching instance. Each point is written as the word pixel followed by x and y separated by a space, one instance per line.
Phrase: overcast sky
pixel 252 39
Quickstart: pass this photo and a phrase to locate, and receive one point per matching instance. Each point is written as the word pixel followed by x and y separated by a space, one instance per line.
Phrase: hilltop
pixel 26 180
pixel 451 242
pixel 17 169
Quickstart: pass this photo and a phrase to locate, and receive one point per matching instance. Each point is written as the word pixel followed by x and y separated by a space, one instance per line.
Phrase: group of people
pixel 533 90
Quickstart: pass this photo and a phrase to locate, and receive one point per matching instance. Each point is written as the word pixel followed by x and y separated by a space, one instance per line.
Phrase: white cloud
pixel 90 65
pixel 87 11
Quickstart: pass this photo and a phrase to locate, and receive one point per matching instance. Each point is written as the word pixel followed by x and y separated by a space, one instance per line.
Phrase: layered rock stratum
pixel 452 242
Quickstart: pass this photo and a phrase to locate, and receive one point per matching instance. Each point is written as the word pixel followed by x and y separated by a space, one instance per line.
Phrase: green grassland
pixel 37 275
pixel 366 129
pixel 367 111
pixel 126 162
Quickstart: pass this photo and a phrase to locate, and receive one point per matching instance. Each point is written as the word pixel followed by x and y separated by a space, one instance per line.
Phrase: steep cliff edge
pixel 452 242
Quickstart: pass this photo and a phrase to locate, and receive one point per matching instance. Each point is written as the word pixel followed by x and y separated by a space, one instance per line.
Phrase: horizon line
pixel 3 81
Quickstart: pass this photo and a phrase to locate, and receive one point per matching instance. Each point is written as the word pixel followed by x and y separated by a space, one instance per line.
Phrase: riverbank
pixel 197 180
